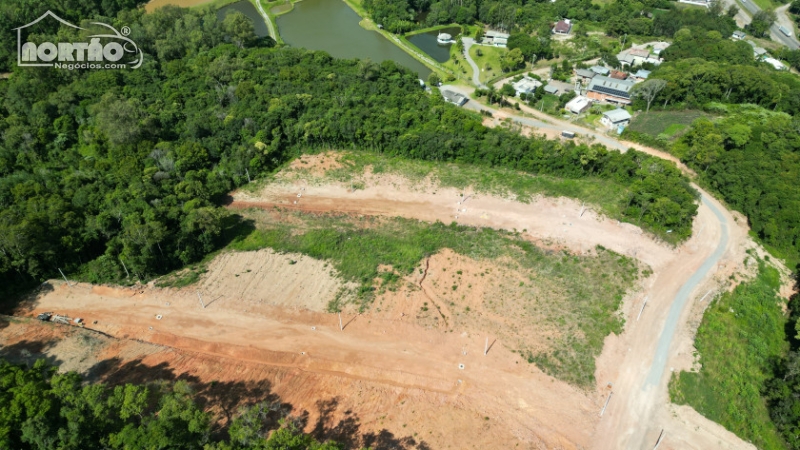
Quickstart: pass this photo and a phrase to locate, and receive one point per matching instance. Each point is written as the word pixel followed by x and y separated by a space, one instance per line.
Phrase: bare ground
pixel 394 372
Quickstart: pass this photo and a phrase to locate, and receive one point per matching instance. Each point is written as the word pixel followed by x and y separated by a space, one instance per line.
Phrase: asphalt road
pixel 659 365
pixel 476 71
pixel 776 34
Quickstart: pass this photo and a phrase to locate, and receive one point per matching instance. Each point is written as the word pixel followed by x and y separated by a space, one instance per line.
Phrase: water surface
pixel 428 44
pixel 331 25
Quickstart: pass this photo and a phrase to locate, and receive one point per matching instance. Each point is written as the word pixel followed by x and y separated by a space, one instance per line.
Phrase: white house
pixel 454 97
pixel 578 105
pixel 775 63
pixel 526 85
pixel 615 118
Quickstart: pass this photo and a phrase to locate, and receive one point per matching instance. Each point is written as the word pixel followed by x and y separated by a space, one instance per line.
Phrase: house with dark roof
pixel 610 90
pixel 563 26
pixel 584 75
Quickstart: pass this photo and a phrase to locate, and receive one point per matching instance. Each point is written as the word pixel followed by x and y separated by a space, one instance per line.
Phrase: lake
pixel 331 25
pixel 427 43
pixel 248 10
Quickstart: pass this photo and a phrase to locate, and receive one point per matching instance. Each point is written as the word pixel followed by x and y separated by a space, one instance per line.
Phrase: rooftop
pixel 599 70
pixel 617 115
pixel 585 73
pixel 610 86
pixel 563 26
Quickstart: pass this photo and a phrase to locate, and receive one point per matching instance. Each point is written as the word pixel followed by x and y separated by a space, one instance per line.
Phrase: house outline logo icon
pixel 80 55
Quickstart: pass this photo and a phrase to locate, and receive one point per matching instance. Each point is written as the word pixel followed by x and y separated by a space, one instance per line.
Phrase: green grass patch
pixel 605 196
pixel 489 60
pixel 583 292
pixel 182 278
pixel 739 340
pixel 666 122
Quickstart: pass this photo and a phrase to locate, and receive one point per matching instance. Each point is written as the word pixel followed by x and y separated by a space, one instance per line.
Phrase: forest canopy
pixel 110 173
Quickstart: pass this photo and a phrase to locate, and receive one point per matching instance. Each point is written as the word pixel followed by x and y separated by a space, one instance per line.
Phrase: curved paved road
pixel 659 365
pixel 476 71
pixel 640 388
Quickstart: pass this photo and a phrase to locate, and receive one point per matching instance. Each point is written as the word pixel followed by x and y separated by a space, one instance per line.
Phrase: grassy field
pixel 606 196
pixel 741 336
pixel 489 61
pixel 575 298
pixel 669 123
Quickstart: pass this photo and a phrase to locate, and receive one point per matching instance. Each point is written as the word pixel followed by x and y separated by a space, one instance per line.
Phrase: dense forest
pixel 117 173
pixel 45 410
pixel 403 15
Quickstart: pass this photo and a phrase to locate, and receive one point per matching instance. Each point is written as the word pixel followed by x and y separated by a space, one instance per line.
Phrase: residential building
pixel 599 70
pixel 738 35
pixel 454 97
pixel 496 38
pixel 636 56
pixel 551 89
pixel 526 85
pixel 578 105
pixel 584 75
pixel 563 26
pixel 775 63
pixel 641 75
pixel 616 118
pixel 619 75
pixel 610 90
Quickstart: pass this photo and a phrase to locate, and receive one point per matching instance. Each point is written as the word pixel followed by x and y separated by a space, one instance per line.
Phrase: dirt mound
pixel 263 277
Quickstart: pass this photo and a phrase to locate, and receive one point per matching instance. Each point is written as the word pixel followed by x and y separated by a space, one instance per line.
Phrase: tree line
pixel 46 410
pixel 119 174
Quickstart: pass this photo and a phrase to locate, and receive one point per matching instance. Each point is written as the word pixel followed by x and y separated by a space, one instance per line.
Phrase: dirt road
pixel 640 406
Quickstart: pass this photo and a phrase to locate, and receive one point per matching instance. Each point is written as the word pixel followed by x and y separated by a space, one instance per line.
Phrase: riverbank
pixel 400 41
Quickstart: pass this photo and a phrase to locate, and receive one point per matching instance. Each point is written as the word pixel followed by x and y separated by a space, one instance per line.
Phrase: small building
pixel 610 90
pixel 584 75
pixel 738 35
pixel 444 38
pixel 599 70
pixel 619 75
pixel 526 85
pixel 550 89
pixel 759 52
pixel 641 75
pixel 454 97
pixel 775 63
pixel 616 118
pixel 578 105
pixel 563 26
pixel 496 38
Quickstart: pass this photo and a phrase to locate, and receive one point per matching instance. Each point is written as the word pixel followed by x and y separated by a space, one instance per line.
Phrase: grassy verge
pixel 488 62
pixel 575 298
pixel 739 340
pixel 668 123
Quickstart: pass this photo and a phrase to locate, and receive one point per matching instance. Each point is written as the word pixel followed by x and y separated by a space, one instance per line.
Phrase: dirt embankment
pixel 393 378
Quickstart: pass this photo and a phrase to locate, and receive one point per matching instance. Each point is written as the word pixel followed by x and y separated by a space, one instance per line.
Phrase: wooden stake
pixel 642 310
pixel 660 438
pixel 606 405
pixel 65 278
pixel 704 297
pixel 201 300
pixel 486 347
pixel 341 328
